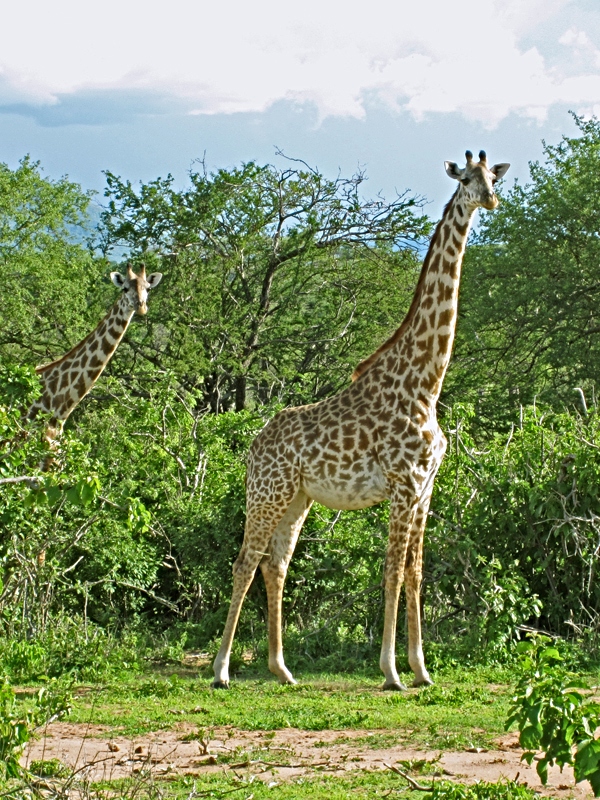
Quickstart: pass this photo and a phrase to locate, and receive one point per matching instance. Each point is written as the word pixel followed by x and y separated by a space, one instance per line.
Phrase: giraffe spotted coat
pixel 378 439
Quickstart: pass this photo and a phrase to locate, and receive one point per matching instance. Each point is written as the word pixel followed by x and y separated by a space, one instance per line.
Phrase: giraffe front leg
pixel 403 506
pixel 274 569
pixel 412 581
pixel 413 577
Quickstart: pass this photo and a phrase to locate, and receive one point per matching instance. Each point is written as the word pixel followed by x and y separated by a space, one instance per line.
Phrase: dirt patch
pixel 283 755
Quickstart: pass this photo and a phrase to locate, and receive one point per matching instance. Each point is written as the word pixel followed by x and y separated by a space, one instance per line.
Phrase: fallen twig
pixel 411 782
pixel 253 762
pixel 209 792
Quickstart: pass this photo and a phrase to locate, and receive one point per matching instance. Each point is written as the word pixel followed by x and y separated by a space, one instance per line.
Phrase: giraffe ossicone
pixel 378 439
pixel 66 381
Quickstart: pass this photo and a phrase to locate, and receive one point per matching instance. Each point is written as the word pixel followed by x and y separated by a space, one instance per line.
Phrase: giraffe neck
pixel 431 320
pixel 65 382
pixel 417 354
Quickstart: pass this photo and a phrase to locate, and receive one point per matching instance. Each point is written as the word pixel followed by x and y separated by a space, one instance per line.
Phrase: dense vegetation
pixel 277 283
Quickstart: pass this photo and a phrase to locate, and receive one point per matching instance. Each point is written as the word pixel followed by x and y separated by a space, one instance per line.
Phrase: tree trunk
pixel 240 392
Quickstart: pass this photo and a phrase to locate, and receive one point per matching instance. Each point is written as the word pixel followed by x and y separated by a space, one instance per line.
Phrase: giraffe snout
pixel 489 200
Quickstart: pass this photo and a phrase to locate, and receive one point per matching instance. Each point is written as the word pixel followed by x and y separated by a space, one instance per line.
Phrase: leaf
pixel 528 756
pixel 86 493
pixel 72 495
pixel 542 770
pixel 54 494
pixel 550 654
pixel 530 737
pixel 594 779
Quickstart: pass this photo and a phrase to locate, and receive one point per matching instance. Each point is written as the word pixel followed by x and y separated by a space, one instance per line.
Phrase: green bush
pixel 506 790
pixel 556 716
pixel 514 531
pixel 18 724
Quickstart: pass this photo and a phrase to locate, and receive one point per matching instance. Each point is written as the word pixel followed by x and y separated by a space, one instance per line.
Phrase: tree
pixel 530 314
pixel 281 280
pixel 45 275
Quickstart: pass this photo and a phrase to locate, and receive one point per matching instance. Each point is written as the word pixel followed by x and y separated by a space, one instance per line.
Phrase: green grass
pixel 467 707
pixel 426 717
pixel 366 784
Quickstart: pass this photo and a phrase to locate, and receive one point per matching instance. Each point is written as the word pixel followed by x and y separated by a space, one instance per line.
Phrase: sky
pixel 145 88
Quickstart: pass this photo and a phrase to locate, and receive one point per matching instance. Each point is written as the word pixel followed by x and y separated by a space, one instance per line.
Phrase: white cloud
pixel 432 56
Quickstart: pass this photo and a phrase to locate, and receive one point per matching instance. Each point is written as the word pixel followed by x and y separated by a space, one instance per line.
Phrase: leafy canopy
pixel 279 280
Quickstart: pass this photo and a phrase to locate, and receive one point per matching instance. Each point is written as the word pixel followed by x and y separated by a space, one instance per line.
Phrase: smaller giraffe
pixel 66 381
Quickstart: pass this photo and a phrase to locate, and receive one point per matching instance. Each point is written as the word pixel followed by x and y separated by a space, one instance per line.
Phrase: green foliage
pixel 72 647
pixel 17 724
pixel 49 768
pixel 555 716
pixel 44 520
pixel 45 277
pixel 482 790
pixel 514 530
pixel 14 733
pixel 279 280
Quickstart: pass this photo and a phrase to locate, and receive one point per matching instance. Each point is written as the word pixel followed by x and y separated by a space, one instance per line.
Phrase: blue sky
pixel 144 88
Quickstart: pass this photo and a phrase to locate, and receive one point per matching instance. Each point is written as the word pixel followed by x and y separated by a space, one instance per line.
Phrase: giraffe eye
pixel 465 181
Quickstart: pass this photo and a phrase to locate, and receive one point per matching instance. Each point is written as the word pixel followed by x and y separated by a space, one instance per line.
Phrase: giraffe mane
pixel 396 336
pixel 43 367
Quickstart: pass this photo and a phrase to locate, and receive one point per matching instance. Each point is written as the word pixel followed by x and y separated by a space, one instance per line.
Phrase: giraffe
pixel 378 439
pixel 66 381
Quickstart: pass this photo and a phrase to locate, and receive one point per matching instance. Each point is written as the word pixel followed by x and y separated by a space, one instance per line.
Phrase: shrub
pixel 555 716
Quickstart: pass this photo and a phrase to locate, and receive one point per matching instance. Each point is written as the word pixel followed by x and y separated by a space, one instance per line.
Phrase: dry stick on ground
pixel 211 792
pixel 252 762
pixel 411 782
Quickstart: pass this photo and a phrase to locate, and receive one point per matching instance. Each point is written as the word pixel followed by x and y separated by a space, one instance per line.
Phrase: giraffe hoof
pixel 422 682
pixel 394 686
pixel 220 684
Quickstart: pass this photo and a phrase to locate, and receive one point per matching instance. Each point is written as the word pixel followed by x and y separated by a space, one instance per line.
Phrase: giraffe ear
pixel 500 170
pixel 118 280
pixel 453 170
pixel 154 279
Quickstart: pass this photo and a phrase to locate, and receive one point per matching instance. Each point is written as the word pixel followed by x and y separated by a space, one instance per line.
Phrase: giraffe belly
pixel 361 490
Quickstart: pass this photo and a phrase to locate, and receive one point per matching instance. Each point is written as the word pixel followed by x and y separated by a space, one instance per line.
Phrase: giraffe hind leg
pixel 274 569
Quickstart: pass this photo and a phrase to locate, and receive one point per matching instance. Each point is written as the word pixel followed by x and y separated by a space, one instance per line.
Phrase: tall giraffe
pixel 378 439
pixel 66 381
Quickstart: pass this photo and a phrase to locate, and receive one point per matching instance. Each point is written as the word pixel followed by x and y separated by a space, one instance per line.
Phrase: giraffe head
pixel 136 287
pixel 476 180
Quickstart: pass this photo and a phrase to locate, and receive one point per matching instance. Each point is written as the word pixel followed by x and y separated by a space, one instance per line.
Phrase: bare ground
pixel 282 755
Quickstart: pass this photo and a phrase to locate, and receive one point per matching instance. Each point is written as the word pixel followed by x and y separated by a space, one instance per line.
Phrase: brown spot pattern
pixel 377 439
